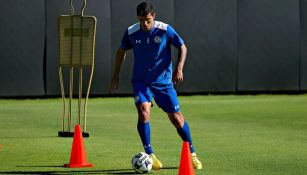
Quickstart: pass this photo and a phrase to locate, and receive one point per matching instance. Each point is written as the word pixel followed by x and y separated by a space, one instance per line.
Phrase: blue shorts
pixel 165 96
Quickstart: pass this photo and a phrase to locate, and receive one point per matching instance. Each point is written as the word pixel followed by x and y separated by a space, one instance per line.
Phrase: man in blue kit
pixel 152 75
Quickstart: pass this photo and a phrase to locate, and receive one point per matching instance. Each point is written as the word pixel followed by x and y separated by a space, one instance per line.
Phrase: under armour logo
pixel 146 146
pixel 136 98
pixel 138 41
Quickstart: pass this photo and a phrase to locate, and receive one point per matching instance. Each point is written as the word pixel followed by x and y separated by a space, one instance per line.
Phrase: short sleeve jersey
pixel 152 52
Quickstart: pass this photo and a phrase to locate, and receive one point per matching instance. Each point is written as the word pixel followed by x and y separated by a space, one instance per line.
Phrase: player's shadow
pixel 170 168
pixel 29 137
pixel 111 171
pixel 119 171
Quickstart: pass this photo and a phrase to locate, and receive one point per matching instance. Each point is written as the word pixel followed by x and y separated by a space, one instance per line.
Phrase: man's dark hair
pixel 144 9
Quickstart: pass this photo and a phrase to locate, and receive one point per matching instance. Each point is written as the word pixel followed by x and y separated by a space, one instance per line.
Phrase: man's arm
pixel 120 57
pixel 178 73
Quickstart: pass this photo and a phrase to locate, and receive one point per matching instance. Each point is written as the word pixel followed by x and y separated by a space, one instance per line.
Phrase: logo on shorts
pixel 176 107
pixel 136 98
pixel 157 39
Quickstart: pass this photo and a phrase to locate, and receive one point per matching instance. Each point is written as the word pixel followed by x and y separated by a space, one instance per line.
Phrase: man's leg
pixel 183 130
pixel 166 98
pixel 182 127
pixel 144 132
pixel 143 126
pixel 142 99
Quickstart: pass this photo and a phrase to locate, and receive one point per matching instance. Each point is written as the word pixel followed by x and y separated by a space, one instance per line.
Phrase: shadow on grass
pixel 40 166
pixel 29 137
pixel 119 171
pixel 114 171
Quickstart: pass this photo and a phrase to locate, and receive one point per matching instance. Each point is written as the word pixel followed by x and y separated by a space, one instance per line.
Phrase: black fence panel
pixel 268 45
pixel 22 33
pixel 210 33
pixel 303 66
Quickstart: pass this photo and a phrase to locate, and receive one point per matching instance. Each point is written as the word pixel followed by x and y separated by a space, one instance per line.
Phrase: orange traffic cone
pixel 78 156
pixel 186 166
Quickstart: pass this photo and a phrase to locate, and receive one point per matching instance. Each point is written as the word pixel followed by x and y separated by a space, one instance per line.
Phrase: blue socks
pixel 144 132
pixel 185 135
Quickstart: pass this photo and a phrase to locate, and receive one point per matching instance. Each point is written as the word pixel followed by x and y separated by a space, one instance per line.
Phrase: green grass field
pixel 263 134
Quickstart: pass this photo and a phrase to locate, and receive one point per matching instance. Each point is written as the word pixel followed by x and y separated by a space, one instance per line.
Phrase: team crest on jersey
pixel 157 39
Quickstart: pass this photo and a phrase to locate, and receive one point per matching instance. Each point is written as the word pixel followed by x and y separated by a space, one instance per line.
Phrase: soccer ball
pixel 141 162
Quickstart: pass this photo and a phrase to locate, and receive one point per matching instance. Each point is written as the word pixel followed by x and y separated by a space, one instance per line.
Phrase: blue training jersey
pixel 152 52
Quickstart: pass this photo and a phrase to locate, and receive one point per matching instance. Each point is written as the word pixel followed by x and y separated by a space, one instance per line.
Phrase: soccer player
pixel 153 76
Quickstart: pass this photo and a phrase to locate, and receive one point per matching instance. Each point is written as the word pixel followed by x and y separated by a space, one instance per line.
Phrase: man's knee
pixel 144 116
pixel 177 119
pixel 143 112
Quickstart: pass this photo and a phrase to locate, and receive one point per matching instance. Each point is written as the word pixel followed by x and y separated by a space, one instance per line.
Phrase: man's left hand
pixel 177 77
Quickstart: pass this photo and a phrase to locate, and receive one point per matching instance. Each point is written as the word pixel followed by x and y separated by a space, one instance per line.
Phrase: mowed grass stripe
pixel 233 134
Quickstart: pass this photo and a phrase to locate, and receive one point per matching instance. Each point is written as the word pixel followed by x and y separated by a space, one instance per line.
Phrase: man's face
pixel 147 21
